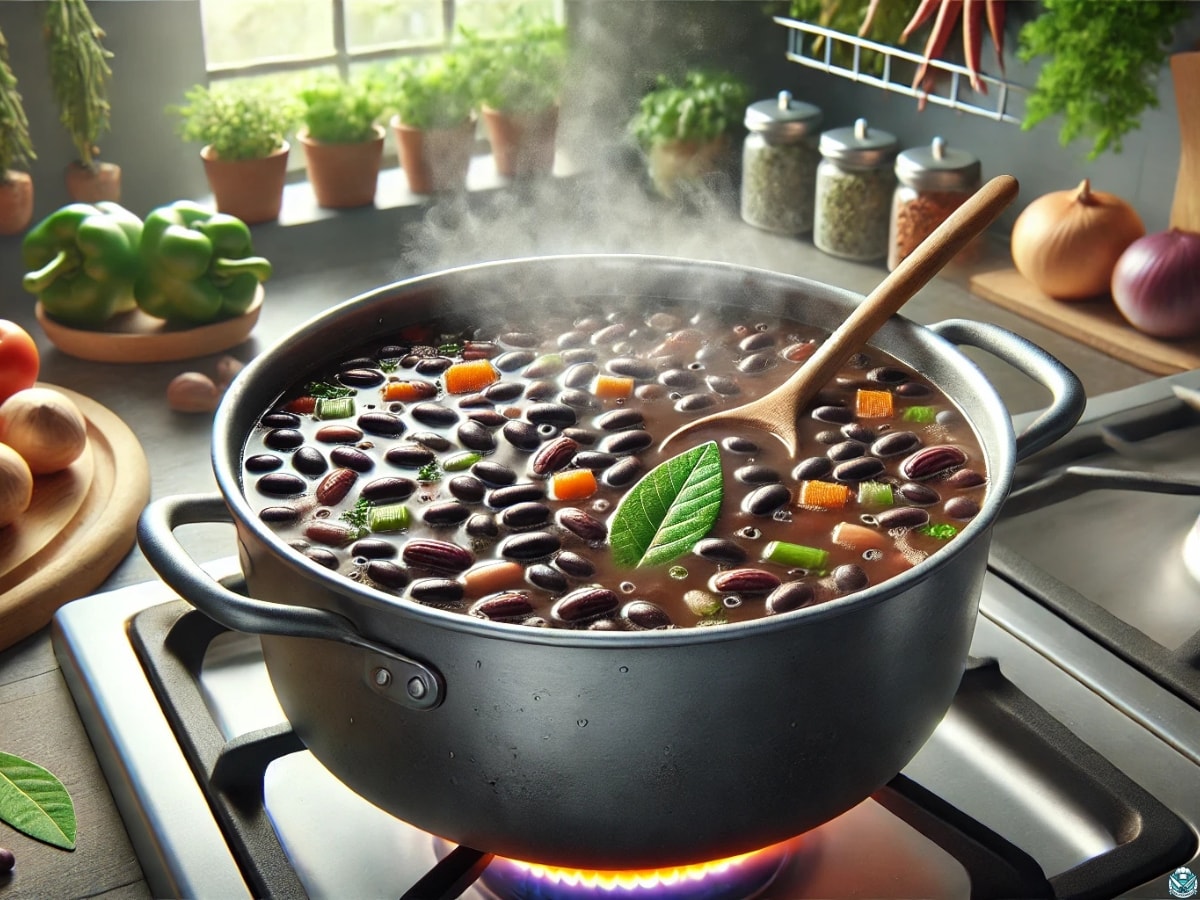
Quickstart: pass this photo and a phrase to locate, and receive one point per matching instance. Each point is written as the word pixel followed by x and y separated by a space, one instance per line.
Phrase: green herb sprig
pixel 323 390
pixel 358 516
pixel 16 148
pixel 429 472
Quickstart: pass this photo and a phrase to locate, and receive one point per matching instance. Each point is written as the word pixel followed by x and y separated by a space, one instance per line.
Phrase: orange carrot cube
pixel 874 404
pixel 613 387
pixel 824 494
pixel 573 484
pixel 470 376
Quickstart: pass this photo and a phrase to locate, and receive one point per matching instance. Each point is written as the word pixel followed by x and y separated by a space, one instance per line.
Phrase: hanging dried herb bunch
pixel 79 74
pixel 16 148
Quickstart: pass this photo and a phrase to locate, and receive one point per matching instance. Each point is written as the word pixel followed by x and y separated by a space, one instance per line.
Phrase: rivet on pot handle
pixel 387 671
pixel 1068 395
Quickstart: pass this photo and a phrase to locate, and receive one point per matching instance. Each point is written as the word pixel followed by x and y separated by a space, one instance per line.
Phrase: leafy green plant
pixel 848 17
pixel 1103 59
pixel 434 92
pixel 79 74
pixel 698 108
pixel 522 71
pixel 341 111
pixel 16 148
pixel 238 121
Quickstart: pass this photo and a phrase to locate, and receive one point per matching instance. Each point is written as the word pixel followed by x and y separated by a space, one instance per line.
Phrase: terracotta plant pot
pixel 673 164
pixel 343 175
pixel 90 185
pixel 16 201
pixel 251 189
pixel 435 160
pixel 523 144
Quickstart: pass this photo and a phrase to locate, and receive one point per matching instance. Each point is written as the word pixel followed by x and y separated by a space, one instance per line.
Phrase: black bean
pixel 626 442
pixel 323 557
pixel 388 490
pixel 757 362
pixel 829 437
pixel 358 362
pixel 814 467
pixel 361 377
pixel 645 616
pixel 482 525
pixel 446 512
pixel 609 333
pixel 525 492
pixel 850 578
pixel 488 418
pixel 279 515
pixel 581 524
pixel 431 440
pixel 504 391
pixel 545 366
pixel 594 459
pixel 570 339
pixel 580 375
pixel 578 399
pixel 441 591
pixel 520 339
pixel 720 550
pixel 374 548
pixel 963 478
pixel 522 435
pixel 838 415
pixel 856 431
pixel 309 461
pixel 763 501
pixel 281 420
pixel 262 462
pixel 546 578
pixel 334 534
pixel 390 351
pixel 557 414
pixel 740 445
pixel 789 596
pixel 948 417
pixel 529 545
pixel 620 419
pixel 575 565
pixel 901 517
pixel 433 365
pixel 912 389
pixel 574 356
pixel 284 439
pixel 961 508
pixel 845 450
pixel 920 494
pixel 553 456
pixel 350 458
pixel 493 474
pixel 280 484
pixel 888 375
pixel 679 378
pixel 605 624
pixel 409 456
pixel 381 423
pixel 541 390
pixel 474 436
pixel 861 469
pixel 722 384
pixel 756 474
pixel 434 414
pixel 585 603
pixel 581 436
pixel 895 443
pixel 466 488
pixel 623 472
pixel 387 574
pixel 525 515
pixel 694 402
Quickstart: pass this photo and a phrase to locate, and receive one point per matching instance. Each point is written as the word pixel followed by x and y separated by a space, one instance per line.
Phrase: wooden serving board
pixel 1095 322
pixel 81 524
pixel 135 337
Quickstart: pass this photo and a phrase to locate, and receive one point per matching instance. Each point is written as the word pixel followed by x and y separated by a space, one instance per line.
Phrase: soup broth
pixel 505 470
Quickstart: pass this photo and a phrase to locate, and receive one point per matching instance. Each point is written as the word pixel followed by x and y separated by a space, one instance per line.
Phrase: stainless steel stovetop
pixel 1069 764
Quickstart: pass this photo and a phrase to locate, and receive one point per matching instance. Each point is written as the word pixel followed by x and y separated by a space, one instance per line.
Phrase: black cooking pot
pixel 608 749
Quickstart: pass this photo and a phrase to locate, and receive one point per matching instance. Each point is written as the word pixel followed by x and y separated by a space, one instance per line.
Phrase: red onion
pixel 1156 284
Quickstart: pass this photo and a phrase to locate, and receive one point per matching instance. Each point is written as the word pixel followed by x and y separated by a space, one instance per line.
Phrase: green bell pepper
pixel 196 265
pixel 82 262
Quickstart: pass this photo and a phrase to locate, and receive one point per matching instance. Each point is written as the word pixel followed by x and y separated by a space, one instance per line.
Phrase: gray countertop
pixel 333 259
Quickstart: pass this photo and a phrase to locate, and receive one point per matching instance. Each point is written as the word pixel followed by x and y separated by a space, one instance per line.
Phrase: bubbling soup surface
pixel 483 468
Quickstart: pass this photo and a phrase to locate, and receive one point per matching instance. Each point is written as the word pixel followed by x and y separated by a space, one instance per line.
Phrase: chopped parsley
pixel 323 390
pixel 942 532
pixel 429 472
pixel 358 517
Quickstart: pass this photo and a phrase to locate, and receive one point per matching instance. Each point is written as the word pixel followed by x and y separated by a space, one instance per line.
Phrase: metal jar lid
pixel 783 119
pixel 858 145
pixel 938 168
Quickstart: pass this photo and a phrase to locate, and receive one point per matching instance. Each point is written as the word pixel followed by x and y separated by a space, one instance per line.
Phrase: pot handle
pixel 388 672
pixel 1068 397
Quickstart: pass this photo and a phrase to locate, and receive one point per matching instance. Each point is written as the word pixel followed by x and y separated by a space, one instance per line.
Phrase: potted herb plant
pixel 520 77
pixel 342 139
pixel 79 78
pixel 16 148
pixel 245 150
pixel 684 126
pixel 434 121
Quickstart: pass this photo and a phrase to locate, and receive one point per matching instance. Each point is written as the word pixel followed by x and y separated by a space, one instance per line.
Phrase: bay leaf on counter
pixel 34 801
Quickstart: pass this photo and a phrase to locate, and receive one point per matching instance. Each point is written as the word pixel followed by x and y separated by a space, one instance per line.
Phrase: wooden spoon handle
pixel 913 273
pixel 1185 210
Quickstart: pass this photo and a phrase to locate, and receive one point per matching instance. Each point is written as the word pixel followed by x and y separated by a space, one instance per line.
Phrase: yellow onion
pixel 45 427
pixel 1068 242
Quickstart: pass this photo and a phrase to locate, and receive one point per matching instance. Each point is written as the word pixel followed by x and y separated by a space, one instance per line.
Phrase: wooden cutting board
pixel 81 524
pixel 1096 323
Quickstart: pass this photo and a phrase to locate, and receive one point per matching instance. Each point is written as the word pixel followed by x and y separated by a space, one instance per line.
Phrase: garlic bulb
pixel 45 427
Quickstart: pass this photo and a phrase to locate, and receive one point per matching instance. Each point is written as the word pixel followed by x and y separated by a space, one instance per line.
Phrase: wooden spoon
pixel 778 411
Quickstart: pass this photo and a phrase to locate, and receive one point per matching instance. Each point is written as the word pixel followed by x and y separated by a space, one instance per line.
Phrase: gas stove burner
pixel 733 878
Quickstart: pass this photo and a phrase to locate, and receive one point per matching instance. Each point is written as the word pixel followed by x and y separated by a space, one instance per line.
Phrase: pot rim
pixel 1000 463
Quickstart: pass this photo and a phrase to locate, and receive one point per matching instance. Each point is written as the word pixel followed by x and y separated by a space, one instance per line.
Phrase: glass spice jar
pixel 933 182
pixel 855 182
pixel 779 164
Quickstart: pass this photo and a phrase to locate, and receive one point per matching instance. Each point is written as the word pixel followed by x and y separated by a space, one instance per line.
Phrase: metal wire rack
pixel 801 38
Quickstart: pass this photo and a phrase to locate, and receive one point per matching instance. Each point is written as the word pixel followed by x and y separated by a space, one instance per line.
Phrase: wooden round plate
pixel 135 337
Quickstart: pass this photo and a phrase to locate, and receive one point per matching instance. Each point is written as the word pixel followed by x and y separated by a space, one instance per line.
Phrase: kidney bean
pixel 558 414
pixel 844 450
pixel 961 508
pixel 323 557
pixel 361 378
pixel 645 616
pixel 850 577
pixel 964 478
pixel 529 545
pixel 388 490
pixel 580 375
pixel 438 591
pixel 335 486
pixel 284 439
pixel 620 419
pixel 280 484
pixel 374 548
pixel 553 456
pixel 895 443
pixel 812 469
pixel 837 415
pixel 504 391
pixel 431 440
pixel 262 462
pixel 309 461
pixel 466 488
pixel 764 500
pixel 623 472
pixel 546 578
pixel 581 524
pixel 789 596
pixel 744 581
pixel 756 474
pixel 335 534
pixel 338 434
pixel 522 435
pixel 574 565
pixel 931 461
pixel 901 517
pixel 585 603
pixel 720 550
pixel 502 605
pixel 387 574
pixel 474 436
pixel 409 456
pixel 279 515
pixel 482 525
pixel 434 414
pixel 525 515
pixel 488 418
pixel 437 555
pixel 624 443
pixel 861 469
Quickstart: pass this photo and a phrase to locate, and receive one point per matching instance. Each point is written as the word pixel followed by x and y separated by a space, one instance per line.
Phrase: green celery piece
pixel 334 408
pixel 797 556
pixel 875 493
pixel 392 517
pixel 922 415
pixel 460 461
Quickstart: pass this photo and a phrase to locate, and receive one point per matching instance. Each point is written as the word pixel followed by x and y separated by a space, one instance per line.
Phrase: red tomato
pixel 19 359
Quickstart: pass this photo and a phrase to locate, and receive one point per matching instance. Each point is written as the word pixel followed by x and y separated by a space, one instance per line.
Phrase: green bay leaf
pixel 32 800
pixel 673 506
